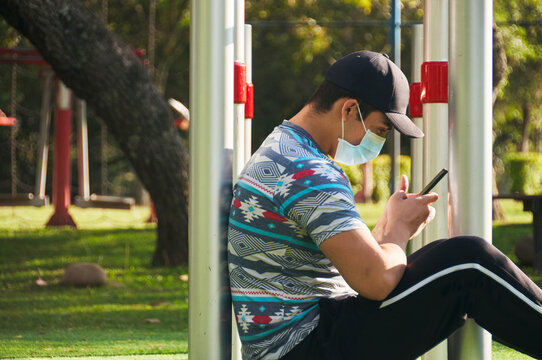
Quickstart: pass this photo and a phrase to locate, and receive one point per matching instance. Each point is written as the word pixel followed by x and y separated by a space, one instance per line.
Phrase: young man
pixel 309 280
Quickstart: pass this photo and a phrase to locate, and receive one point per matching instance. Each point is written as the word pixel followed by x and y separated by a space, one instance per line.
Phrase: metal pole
pixel 395 37
pixel 416 145
pixel 211 106
pixel 82 149
pixel 248 61
pixel 61 163
pixel 45 123
pixel 471 143
pixel 13 130
pixel 239 138
pixel 435 126
pixel 239 107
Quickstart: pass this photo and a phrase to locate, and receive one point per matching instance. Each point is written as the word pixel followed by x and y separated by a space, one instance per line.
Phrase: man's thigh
pixel 443 282
pixel 415 317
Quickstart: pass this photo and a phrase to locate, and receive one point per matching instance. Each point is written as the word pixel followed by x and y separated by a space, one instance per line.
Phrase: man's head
pixel 375 82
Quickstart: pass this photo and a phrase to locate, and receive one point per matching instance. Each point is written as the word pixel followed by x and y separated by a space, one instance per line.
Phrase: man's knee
pixel 471 247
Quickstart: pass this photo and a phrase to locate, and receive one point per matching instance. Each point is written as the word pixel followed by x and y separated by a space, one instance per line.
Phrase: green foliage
pixel 295 41
pixel 381 175
pixel 525 172
pixel 519 101
pixel 354 174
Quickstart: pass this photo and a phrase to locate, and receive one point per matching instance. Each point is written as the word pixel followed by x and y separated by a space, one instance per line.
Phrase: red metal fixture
pixel 240 83
pixel 415 104
pixel 434 88
pixel 249 105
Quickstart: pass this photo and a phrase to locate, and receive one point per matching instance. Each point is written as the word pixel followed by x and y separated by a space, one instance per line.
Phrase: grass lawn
pixel 58 321
pixel 55 321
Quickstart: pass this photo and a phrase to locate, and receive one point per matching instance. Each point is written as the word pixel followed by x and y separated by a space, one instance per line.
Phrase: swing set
pixel 61 164
pixel 16 57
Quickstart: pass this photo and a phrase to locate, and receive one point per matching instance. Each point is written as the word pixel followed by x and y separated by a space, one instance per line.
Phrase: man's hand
pixel 408 213
pixel 373 263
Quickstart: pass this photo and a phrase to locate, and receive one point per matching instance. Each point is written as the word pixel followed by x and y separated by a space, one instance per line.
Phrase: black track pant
pixel 444 283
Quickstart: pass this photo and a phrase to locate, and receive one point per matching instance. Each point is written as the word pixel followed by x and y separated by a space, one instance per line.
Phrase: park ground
pixel 142 313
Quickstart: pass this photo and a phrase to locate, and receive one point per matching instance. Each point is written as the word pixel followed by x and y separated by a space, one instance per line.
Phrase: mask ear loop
pixel 342 126
pixel 361 117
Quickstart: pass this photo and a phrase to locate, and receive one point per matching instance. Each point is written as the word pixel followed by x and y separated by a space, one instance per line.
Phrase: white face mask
pixel 369 147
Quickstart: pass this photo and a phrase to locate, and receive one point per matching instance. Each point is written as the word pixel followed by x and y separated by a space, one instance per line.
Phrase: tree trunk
pixel 105 72
pixel 499 73
pixel 539 140
pixel 524 146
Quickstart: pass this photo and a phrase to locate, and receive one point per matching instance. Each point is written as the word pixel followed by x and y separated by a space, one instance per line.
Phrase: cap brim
pixel 404 125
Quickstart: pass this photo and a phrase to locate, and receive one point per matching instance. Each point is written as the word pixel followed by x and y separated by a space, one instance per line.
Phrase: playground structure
pixel 17 57
pixel 63 100
pixel 457 63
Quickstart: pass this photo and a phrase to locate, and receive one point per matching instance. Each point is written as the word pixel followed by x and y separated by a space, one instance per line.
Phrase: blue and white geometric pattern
pixel 289 199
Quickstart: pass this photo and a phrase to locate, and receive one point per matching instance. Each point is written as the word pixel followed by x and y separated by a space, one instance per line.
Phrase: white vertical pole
pixel 471 143
pixel 211 105
pixel 239 109
pixel 239 136
pixel 45 123
pixel 248 61
pixel 83 181
pixel 435 126
pixel 395 35
pixel 227 68
pixel 416 145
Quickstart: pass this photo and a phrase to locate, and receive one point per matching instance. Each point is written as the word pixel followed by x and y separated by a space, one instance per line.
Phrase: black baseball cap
pixel 375 79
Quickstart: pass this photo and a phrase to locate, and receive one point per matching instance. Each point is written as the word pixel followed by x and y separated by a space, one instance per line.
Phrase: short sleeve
pixel 317 196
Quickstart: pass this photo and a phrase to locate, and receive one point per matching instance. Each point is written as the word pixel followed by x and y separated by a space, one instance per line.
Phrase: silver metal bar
pixel 211 143
pixel 435 142
pixel 416 145
pixel 470 74
pixel 45 124
pixel 239 159
pixel 239 109
pixel 82 149
pixel 395 35
pixel 248 61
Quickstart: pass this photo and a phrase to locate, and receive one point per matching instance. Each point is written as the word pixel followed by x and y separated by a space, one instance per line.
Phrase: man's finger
pixel 403 184
pixel 432 213
pixel 429 198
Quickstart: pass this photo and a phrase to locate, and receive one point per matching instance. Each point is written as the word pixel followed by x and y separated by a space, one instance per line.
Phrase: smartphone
pixel 434 182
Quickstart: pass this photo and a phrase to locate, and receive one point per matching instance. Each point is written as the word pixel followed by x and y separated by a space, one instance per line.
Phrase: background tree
pixel 518 108
pixel 500 69
pixel 518 111
pixel 294 41
pixel 104 71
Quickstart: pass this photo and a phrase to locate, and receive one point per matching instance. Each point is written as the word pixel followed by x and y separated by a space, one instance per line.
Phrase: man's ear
pixel 348 110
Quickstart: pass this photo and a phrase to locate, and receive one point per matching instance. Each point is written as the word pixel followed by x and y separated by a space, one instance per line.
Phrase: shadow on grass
pixel 55 320
pixel 91 342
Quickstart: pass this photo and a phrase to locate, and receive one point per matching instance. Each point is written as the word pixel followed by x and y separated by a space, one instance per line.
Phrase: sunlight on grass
pixel 135 357
pixel 54 321
pixel 28 217
pixel 514 213
pixel 59 321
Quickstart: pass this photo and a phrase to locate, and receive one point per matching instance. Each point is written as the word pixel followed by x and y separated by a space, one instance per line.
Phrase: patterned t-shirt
pixel 289 198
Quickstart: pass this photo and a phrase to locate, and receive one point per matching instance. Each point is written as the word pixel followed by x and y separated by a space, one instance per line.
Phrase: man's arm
pixel 373 263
